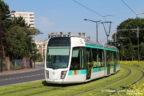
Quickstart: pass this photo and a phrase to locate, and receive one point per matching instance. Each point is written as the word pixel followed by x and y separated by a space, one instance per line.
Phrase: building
pixel 41 46
pixel 27 16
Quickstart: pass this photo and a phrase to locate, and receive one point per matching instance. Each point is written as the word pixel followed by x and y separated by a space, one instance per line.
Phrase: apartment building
pixel 27 16
pixel 41 46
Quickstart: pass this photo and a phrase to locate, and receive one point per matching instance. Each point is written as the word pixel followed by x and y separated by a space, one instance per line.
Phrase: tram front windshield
pixel 57 57
pixel 57 54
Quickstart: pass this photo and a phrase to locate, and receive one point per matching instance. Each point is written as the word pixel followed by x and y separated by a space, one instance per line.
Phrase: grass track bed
pixel 121 80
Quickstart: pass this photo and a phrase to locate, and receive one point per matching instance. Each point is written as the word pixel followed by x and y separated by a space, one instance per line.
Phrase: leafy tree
pixel 18 21
pixel 125 33
pixel 130 51
pixel 15 36
pixel 4 10
pixel 122 52
pixel 20 40
pixel 4 13
pixel 142 50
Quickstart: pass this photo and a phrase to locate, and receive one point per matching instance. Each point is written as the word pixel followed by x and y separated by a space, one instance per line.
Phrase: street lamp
pixel 96 27
pixel 106 16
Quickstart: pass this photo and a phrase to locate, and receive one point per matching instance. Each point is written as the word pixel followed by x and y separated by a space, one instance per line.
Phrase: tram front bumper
pixel 54 81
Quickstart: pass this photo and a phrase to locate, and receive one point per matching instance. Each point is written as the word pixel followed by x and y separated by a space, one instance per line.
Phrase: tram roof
pixel 91 43
pixel 88 42
pixel 100 46
pixel 111 47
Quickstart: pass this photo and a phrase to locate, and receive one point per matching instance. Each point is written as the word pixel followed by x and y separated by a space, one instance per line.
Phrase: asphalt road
pixel 9 79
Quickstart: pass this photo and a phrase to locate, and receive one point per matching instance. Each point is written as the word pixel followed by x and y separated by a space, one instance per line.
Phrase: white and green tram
pixel 76 60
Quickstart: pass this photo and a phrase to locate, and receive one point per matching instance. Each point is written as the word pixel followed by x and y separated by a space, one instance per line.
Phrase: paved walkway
pixel 38 67
pixel 22 75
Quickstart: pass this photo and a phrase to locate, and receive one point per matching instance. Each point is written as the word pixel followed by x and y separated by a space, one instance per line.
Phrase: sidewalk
pixel 21 70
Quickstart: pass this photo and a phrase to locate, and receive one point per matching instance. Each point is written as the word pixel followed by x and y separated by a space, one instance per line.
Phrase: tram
pixel 76 59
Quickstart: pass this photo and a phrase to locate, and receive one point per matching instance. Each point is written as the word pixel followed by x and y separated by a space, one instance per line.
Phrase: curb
pixel 19 71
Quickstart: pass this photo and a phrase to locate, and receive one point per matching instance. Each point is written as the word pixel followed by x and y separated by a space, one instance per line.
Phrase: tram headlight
pixel 47 73
pixel 63 74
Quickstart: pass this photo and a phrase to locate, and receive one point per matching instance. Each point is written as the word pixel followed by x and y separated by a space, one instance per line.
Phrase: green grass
pixel 95 88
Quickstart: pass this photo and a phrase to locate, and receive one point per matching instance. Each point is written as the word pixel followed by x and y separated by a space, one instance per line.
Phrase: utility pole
pixel 137 30
pixel 138 42
pixel 96 31
pixel 115 39
pixel 107 32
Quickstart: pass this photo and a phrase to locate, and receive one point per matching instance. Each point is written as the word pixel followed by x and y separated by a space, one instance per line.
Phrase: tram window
pixel 98 57
pixel 89 56
pixel 77 61
pixel 108 57
pixel 101 57
pixel 58 41
pixel 112 58
pixel 94 52
pixel 57 57
pixel 115 58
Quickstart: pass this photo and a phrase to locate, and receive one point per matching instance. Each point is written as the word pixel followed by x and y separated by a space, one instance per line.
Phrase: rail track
pixel 94 87
pixel 142 76
pixel 129 72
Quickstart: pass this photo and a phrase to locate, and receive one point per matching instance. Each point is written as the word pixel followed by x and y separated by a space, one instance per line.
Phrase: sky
pixel 68 16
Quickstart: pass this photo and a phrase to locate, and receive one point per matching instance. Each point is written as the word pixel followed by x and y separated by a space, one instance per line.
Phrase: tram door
pixel 88 63
pixel 108 55
pixel 115 61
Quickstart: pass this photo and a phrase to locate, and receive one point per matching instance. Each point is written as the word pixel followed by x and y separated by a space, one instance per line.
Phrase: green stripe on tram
pixel 83 71
pixel 112 49
pixel 112 66
pixel 98 47
pixel 95 69
pixel 91 46
pixel 117 65
pixel 105 68
pixel 76 72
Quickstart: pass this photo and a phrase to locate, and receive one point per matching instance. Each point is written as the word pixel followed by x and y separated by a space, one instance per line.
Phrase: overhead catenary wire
pixel 128 29
pixel 84 6
pixel 129 7
pixel 98 14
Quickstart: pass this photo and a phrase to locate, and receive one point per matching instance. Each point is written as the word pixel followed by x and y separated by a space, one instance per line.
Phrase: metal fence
pixel 28 63
pixel 15 64
pixel 4 64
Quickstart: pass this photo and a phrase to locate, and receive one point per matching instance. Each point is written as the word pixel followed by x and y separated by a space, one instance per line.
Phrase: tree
pixel 142 50
pixel 125 33
pixel 15 36
pixel 19 41
pixel 122 52
pixel 130 51
pixel 4 13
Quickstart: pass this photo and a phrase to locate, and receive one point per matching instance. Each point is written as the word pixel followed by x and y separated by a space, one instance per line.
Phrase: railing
pixel 15 64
